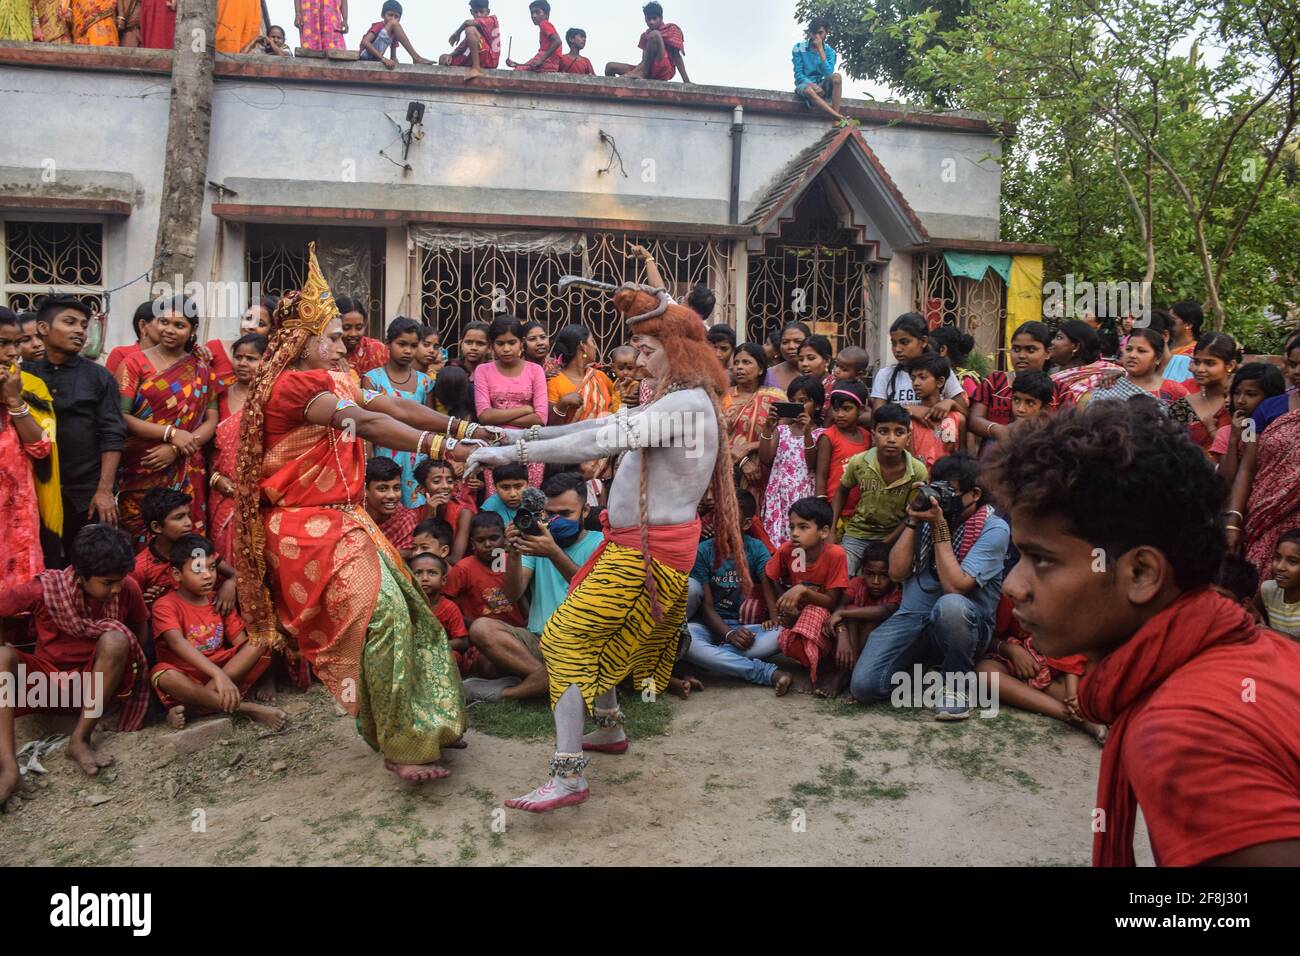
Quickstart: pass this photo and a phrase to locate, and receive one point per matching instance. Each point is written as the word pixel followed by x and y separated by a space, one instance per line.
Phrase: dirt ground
pixel 732 776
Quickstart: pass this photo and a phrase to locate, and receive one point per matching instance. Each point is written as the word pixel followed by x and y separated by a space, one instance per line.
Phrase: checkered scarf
pixel 66 603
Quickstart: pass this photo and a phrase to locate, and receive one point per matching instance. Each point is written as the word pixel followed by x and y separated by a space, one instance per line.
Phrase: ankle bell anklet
pixel 605 719
pixel 568 765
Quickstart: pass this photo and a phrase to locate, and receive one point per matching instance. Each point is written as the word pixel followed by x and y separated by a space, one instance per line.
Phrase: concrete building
pixel 503 186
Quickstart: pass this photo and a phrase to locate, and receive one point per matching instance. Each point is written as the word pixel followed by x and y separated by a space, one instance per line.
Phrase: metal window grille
pixel 40 258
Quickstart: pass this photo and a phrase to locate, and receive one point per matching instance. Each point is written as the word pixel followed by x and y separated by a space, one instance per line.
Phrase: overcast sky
pixel 728 42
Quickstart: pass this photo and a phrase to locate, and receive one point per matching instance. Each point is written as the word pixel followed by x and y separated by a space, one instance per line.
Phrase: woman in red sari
pixel 315 573
pixel 247 353
pixel 1267 491
pixel 169 402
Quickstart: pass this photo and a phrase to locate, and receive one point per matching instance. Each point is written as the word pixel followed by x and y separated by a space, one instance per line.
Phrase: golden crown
pixel 313 308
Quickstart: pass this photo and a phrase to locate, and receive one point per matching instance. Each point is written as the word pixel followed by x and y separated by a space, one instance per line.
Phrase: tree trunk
pixel 189 129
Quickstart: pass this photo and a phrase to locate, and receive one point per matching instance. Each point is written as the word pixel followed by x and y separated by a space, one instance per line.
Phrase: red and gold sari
pixel 339 590
pixel 179 396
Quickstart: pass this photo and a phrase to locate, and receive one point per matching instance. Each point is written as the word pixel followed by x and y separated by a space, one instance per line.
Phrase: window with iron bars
pixel 471 285
pixel 41 258
pixel 977 308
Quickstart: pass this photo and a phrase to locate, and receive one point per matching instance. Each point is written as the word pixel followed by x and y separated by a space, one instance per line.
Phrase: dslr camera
pixel 532 511
pixel 941 493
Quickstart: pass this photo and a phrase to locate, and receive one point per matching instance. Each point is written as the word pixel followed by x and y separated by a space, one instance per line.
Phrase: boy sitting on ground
pixel 386 34
pixel 871 597
pixel 384 504
pixel 205 661
pixel 574 62
pixel 719 643
pixel 477 581
pixel 663 48
pixel 481 47
pixel 166 513
pixel 432 536
pixel 90 624
pixel 809 574
pixel 438 479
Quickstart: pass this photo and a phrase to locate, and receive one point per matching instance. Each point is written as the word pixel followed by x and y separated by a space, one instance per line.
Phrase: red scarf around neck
pixel 1121 685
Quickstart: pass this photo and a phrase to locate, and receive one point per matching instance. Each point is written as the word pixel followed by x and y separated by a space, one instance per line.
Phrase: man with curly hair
pixel 1116 515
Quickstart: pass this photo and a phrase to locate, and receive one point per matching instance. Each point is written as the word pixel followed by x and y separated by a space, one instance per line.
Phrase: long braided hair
pixel 285 348
pixel 693 364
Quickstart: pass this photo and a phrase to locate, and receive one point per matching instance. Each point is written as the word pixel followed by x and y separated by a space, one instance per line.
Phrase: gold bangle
pixel 1232 527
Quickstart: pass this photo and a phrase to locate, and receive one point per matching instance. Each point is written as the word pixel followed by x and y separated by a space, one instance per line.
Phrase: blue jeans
pixel 724 658
pixel 953 634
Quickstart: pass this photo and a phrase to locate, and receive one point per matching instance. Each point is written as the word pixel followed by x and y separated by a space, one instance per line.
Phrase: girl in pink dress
pixel 787 449
pixel 321 23
pixel 510 391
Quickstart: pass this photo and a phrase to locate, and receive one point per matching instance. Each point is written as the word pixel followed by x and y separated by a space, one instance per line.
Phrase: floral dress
pixel 21 558
pixel 320 25
pixel 789 481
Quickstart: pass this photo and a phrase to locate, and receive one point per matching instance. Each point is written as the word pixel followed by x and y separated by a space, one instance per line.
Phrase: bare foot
pixel 478 690
pixel 781 682
pixel 458 745
pixel 272 717
pixel 682 687
pixel 176 717
pixel 9 780
pixel 552 795
pixel 87 758
pixel 1098 732
pixel 831 684
pixel 264 690
pixel 473 75
pixel 417 773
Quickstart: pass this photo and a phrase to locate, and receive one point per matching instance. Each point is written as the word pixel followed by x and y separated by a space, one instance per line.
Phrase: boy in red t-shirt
pixel 438 479
pixel 480 48
pixel 205 661
pixel 870 599
pixel 430 573
pixel 810 575
pixel 663 47
pixel 574 62
pixel 90 623
pixel 548 56
pixel 432 536
pixel 475 584
pixel 166 514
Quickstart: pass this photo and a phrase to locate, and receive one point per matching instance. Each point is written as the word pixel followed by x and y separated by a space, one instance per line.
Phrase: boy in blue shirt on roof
pixel 815 78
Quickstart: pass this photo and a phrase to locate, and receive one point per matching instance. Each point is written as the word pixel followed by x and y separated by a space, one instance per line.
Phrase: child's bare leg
pixel 9 775
pixel 619 69
pixel 474 39
pixel 654 52
pixel 837 93
pixel 244 660
pixel 1017 693
pixel 1057 691
pixel 112 654
pixel 399 36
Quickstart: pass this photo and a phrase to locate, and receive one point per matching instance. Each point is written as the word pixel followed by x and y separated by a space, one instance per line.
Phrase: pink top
pixel 492 389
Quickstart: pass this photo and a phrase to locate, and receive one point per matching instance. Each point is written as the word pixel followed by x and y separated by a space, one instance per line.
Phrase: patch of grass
pixel 618 779
pixel 712 784
pixel 531 719
pixel 835 784
pixel 242 849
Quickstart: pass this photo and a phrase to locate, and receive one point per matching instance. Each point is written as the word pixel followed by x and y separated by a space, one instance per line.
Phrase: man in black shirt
pixel 89 428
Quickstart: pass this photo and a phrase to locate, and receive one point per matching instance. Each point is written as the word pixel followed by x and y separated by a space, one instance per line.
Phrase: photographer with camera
pixel 546 544
pixel 949 559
